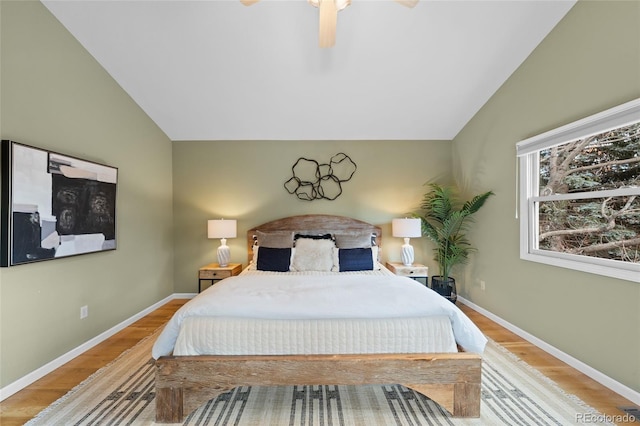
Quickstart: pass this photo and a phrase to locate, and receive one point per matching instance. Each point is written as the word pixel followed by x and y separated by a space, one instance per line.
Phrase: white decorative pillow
pixel 313 255
pixel 254 259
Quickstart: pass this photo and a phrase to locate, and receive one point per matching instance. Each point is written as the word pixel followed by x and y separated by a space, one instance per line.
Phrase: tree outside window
pixel 606 227
pixel 580 194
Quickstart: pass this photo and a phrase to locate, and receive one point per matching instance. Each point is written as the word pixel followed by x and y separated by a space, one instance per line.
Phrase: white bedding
pixel 251 336
pixel 320 296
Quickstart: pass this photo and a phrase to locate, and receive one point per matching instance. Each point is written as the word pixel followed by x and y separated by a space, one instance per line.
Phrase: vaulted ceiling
pixel 218 70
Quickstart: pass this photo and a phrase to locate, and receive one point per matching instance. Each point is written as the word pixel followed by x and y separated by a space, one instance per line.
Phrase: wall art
pixel 54 205
pixel 312 180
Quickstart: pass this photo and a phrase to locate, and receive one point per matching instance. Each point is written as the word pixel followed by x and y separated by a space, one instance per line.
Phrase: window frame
pixel 528 189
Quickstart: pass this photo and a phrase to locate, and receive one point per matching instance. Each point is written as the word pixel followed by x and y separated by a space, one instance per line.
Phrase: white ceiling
pixel 218 70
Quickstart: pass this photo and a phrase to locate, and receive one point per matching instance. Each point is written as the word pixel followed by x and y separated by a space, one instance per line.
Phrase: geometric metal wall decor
pixel 312 180
pixel 54 205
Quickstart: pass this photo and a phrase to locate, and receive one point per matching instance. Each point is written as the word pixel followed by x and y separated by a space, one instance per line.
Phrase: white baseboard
pixel 596 375
pixel 25 381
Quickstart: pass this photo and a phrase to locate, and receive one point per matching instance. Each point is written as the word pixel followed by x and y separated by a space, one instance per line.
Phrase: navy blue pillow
pixel 273 259
pixel 356 259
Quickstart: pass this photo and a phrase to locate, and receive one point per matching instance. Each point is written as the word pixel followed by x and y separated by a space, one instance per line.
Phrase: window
pixel 579 189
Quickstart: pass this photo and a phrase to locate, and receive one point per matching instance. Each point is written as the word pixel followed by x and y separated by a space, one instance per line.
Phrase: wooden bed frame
pixel 183 383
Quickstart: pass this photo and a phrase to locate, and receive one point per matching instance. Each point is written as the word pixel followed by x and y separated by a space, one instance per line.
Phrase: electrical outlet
pixel 482 285
pixel 84 312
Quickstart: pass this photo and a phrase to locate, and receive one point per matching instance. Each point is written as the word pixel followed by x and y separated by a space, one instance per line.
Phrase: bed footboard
pixel 183 383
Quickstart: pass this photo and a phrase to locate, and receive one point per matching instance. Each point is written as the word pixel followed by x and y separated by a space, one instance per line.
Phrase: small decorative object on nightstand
pixel 415 271
pixel 214 272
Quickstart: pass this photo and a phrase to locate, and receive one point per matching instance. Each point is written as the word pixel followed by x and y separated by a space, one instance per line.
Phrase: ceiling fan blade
pixel 408 3
pixel 249 2
pixel 328 22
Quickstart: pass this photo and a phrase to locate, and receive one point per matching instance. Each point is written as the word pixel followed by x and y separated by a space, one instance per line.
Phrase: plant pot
pixel 444 288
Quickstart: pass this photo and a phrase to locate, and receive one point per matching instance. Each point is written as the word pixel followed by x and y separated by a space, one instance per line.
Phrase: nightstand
pixel 214 272
pixel 415 271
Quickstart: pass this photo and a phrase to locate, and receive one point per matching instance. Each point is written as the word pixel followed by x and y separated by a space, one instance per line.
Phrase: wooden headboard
pixel 313 223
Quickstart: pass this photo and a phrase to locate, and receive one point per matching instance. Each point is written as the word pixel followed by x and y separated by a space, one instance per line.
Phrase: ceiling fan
pixel 329 16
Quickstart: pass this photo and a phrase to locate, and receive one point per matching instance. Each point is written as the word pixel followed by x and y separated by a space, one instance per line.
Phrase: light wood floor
pixel 24 405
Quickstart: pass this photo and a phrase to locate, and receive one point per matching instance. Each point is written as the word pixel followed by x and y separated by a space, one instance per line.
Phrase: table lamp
pixel 223 229
pixel 406 228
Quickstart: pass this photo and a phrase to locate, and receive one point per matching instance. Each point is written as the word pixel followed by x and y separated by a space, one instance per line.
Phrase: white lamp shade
pixel 406 228
pixel 221 228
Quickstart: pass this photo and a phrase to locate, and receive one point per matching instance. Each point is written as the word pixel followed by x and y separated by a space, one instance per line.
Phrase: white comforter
pixel 281 296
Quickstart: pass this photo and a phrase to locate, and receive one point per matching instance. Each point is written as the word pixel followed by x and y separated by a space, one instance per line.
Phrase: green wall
pixel 589 63
pixel 245 180
pixel 54 95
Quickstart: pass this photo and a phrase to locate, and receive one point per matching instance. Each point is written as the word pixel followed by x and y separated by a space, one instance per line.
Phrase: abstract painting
pixel 54 205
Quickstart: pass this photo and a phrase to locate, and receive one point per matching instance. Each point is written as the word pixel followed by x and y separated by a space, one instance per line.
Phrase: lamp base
pixel 407 253
pixel 224 254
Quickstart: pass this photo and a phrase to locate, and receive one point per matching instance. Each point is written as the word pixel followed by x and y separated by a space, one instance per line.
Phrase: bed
pixel 294 317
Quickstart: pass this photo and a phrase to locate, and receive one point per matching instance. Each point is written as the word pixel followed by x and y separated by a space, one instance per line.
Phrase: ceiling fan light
pixel 340 4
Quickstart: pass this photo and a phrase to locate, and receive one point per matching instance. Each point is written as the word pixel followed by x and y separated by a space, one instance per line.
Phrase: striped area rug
pixel 122 393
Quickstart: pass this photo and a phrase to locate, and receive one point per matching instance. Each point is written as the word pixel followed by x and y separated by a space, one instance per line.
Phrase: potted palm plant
pixel 445 221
